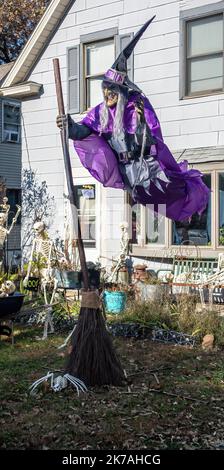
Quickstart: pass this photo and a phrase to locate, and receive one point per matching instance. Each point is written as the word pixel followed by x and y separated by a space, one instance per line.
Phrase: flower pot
pixel 74 279
pixel 150 292
pixel 114 302
pixel 123 276
pixel 11 305
pixel 140 272
pixel 68 279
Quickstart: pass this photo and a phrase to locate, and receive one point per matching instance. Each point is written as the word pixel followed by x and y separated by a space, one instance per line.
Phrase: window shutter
pixel 122 42
pixel 73 79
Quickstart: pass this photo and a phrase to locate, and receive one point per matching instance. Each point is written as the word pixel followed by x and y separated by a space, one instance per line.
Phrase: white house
pixel 178 63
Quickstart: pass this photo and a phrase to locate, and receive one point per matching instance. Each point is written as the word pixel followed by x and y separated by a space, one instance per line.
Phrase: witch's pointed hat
pixel 117 74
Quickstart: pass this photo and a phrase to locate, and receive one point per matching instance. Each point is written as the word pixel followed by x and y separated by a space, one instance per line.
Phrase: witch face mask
pixel 110 97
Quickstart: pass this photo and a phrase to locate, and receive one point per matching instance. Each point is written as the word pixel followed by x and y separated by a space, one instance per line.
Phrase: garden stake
pixel 92 358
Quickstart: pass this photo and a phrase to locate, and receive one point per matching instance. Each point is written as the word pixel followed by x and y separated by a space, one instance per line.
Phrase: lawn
pixel 173 399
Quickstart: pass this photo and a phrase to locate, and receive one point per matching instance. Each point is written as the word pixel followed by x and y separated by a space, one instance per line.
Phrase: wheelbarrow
pixel 9 307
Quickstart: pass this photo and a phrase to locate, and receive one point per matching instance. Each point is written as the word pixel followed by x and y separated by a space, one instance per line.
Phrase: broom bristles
pixel 93 358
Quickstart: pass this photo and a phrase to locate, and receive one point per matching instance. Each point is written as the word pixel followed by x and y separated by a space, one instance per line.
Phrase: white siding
pixel 188 123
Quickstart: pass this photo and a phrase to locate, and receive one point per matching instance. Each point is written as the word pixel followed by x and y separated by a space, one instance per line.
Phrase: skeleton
pixel 124 245
pixel 4 230
pixel 59 383
pixel 215 280
pixel 44 248
pixel 5 206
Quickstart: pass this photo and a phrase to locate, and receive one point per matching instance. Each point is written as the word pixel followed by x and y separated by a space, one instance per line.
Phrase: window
pixel 203 54
pixel 14 197
pixel 87 63
pixel 196 231
pixel 203 235
pixel 11 122
pixel 135 221
pixel 155 226
pixel 86 205
pixel 98 57
pixel 221 209
pixel 147 226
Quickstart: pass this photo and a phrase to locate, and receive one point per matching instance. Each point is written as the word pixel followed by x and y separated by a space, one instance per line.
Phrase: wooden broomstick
pixel 92 358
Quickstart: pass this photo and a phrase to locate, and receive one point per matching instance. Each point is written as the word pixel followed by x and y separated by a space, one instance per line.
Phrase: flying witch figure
pixel 120 143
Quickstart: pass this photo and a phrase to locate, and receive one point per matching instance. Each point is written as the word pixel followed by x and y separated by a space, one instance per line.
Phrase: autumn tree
pixel 18 19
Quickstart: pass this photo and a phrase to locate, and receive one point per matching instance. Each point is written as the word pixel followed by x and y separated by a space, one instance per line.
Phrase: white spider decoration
pixel 59 383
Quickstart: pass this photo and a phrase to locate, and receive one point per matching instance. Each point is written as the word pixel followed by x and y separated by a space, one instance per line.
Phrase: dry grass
pixel 182 316
pixel 132 417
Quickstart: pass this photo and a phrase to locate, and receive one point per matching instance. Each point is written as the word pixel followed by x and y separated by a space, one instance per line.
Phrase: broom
pixel 92 357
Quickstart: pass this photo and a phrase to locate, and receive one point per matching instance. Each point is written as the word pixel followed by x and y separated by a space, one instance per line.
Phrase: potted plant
pixel 221 236
pixel 114 298
pixel 140 273
pixel 151 288
pixel 68 278
pixel 123 275
pixel 67 268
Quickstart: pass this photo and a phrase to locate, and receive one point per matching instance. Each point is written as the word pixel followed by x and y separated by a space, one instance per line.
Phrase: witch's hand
pixel 139 108
pixel 62 119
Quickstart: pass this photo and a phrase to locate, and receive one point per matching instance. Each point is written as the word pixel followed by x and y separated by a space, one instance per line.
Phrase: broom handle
pixel 68 171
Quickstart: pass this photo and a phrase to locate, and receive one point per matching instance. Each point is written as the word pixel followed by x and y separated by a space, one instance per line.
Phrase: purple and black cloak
pixel 184 195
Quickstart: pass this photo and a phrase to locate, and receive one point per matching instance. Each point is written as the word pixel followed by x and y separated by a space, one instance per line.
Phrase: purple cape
pixel 183 196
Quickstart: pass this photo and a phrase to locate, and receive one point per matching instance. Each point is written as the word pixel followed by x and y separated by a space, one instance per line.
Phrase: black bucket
pixel 11 305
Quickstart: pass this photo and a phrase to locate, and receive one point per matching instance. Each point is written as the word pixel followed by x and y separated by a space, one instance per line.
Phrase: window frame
pixel 89 244
pixel 87 77
pixel 18 201
pixel 162 251
pixel 86 39
pixel 12 103
pixel 143 245
pixel 205 171
pixel 218 172
pixel 186 17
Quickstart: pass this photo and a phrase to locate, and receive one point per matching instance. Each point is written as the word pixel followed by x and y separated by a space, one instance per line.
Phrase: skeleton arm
pixel 30 262
pixel 14 219
pixel 49 259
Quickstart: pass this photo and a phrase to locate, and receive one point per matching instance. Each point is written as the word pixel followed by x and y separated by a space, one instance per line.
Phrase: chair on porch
pixel 214 283
pixel 191 271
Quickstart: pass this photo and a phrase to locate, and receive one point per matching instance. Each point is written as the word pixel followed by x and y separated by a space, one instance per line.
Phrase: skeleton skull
pixel 39 227
pixel 124 225
pixel 63 263
pixel 7 288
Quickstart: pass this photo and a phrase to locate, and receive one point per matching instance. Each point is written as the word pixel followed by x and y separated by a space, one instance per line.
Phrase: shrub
pixel 181 316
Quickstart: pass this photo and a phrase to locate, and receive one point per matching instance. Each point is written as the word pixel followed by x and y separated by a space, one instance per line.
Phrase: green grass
pixel 112 418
